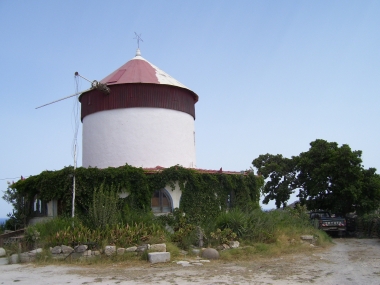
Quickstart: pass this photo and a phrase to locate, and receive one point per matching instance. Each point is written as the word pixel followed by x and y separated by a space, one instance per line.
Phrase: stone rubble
pixel 186 263
pixel 160 247
pixel 81 248
pixel 110 250
pixel 156 253
pixel 56 250
pixel 66 249
pixel 120 251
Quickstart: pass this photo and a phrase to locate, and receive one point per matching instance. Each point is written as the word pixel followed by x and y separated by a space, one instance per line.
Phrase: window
pixel 161 202
pixel 39 207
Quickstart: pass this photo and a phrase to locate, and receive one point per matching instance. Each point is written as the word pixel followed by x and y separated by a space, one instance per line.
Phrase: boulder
pixel 110 250
pixel 81 248
pixel 131 249
pixel 66 249
pixel 120 251
pixel 157 257
pixel 38 250
pixel 159 247
pixel 2 252
pixel 234 244
pixel 143 248
pixel 15 258
pixel 56 250
pixel 27 257
pixel 307 237
pixel 87 252
pixel 210 253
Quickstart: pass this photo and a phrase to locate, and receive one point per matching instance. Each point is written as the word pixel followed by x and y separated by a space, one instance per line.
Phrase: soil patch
pixel 349 261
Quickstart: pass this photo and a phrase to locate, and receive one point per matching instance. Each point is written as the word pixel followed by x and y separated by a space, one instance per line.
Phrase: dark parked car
pixel 324 221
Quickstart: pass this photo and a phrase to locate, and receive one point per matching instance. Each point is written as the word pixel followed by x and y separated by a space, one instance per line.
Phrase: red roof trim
pixel 199 170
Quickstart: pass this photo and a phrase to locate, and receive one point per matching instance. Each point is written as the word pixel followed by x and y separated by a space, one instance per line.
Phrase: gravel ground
pixel 349 261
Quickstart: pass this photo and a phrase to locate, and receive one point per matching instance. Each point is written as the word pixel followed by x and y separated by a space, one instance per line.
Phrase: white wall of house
pixel 174 194
pixel 141 137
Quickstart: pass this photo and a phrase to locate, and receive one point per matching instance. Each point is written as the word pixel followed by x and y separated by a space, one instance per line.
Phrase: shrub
pixel 104 211
pixel 222 236
pixel 235 220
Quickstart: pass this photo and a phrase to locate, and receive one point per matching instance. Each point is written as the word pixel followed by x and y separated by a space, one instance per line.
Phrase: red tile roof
pixel 209 171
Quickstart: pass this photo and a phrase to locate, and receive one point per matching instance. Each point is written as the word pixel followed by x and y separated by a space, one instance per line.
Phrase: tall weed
pixel 104 209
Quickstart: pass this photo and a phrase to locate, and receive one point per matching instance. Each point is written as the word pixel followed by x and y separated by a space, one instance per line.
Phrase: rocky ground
pixel 349 261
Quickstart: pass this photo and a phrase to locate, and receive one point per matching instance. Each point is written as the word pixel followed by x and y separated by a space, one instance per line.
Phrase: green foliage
pixel 330 177
pixel 222 236
pixel 67 231
pixel 235 220
pixel 204 195
pixel 104 209
pixel 368 225
pixel 281 171
pixel 261 227
pixel 327 176
pixel 21 208
pixel 185 232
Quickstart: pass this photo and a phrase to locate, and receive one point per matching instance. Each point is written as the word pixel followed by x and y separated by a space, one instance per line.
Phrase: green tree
pixel 369 199
pixel 21 208
pixel 330 177
pixel 327 176
pixel 279 173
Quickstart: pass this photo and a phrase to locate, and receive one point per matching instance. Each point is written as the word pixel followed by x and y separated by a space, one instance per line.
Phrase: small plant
pixel 223 236
pixel 104 210
pixel 236 220
pixel 32 236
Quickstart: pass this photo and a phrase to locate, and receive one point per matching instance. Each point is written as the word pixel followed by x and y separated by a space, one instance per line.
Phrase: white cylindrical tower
pixel 147 120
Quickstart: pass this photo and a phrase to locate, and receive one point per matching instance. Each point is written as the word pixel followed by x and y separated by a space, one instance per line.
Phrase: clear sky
pixel 272 76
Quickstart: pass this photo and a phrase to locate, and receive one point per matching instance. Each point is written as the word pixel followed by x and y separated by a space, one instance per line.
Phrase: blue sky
pixel 272 76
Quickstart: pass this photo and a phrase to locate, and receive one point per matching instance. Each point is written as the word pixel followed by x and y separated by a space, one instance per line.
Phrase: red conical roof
pixel 139 70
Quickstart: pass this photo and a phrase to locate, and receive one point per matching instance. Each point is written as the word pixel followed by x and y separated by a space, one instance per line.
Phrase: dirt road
pixel 350 261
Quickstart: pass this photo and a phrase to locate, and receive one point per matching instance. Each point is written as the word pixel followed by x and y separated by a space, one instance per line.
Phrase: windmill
pixel 94 85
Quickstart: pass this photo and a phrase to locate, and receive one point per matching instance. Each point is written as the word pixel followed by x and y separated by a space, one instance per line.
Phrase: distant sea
pixel 2 220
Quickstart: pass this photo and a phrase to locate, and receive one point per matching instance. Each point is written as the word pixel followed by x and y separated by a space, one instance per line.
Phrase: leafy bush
pixel 72 232
pixel 222 236
pixel 235 220
pixel 104 210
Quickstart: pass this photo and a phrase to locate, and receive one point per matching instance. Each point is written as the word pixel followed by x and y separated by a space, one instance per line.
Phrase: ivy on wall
pixel 204 195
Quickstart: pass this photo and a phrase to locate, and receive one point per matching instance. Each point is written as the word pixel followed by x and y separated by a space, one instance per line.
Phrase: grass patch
pixel 259 233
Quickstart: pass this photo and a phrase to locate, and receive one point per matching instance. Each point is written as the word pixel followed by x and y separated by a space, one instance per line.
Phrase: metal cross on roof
pixel 138 38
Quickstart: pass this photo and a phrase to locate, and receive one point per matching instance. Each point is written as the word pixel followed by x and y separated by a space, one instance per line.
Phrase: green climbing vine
pixel 204 195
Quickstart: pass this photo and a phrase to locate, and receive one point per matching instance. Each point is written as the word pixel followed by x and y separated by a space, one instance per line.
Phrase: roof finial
pixel 138 38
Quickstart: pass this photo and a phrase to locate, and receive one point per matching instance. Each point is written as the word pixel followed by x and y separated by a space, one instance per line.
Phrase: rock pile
pixel 82 251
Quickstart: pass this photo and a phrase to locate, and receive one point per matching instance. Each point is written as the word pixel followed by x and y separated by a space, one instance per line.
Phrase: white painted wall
pixel 175 194
pixel 141 137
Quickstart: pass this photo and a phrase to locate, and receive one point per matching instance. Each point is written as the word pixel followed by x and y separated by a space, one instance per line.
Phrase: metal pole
pixel 63 98
pixel 75 166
